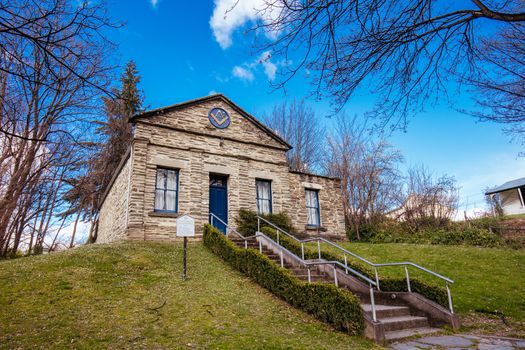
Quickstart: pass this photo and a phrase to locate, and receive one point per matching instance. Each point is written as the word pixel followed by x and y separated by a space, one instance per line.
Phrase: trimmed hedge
pixel 247 222
pixel 324 301
pixel 432 292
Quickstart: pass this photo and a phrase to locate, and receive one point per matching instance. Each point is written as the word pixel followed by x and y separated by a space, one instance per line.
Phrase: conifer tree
pixel 116 136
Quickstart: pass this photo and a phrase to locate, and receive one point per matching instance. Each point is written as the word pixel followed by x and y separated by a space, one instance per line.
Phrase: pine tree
pixel 116 134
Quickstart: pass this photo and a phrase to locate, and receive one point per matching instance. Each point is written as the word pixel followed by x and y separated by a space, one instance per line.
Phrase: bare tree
pixel 53 63
pixel 429 199
pixel 301 128
pixel 368 169
pixel 500 86
pixel 404 51
pixel 49 27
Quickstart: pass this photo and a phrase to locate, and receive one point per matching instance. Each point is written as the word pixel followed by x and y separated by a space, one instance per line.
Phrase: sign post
pixel 185 228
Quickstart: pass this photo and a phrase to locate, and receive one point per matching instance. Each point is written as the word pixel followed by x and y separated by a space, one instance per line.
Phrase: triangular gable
pixel 203 100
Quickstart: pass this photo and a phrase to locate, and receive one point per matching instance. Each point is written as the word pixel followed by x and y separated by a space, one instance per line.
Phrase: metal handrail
pixel 374 265
pixel 306 263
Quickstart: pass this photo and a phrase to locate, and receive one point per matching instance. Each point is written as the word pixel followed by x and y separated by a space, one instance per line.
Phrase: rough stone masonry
pixel 208 155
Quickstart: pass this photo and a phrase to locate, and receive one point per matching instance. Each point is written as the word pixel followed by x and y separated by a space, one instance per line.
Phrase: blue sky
pixel 180 57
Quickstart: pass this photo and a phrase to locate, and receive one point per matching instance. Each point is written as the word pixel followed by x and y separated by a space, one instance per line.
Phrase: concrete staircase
pixel 395 317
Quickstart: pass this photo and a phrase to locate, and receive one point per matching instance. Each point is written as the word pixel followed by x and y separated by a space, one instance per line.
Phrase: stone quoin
pixel 206 155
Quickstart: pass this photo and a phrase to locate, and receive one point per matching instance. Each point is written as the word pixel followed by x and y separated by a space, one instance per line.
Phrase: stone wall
pixel 330 202
pixel 114 209
pixel 183 139
pixel 196 156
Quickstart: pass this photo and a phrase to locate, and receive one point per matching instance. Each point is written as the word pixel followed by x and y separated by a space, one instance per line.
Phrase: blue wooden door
pixel 219 200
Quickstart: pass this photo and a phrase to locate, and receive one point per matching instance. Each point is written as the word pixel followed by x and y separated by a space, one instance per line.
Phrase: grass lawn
pixel 487 279
pixel 130 295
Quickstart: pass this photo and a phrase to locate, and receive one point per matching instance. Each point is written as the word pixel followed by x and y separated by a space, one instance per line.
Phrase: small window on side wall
pixel 167 190
pixel 263 196
pixel 312 208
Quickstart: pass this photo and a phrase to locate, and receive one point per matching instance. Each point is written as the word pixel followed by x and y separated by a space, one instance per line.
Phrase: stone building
pixel 208 155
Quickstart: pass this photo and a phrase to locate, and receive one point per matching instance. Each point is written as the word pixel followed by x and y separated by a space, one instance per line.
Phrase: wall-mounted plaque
pixel 219 118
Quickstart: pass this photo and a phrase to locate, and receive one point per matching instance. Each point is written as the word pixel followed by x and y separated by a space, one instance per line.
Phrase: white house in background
pixel 510 196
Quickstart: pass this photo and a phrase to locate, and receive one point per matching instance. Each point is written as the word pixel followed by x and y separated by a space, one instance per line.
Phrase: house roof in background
pixel 509 185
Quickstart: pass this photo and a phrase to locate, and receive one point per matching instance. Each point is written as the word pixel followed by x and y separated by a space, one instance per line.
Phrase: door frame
pixel 226 178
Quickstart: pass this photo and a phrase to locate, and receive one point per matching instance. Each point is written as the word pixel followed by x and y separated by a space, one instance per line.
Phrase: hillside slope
pixel 130 295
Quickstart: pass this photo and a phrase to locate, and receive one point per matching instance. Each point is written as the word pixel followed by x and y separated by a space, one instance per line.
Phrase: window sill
pixel 315 228
pixel 164 214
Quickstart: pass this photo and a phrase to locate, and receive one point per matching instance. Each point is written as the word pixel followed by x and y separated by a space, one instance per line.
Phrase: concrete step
pixel 379 299
pixel 384 311
pixel 316 278
pixel 406 333
pixel 403 322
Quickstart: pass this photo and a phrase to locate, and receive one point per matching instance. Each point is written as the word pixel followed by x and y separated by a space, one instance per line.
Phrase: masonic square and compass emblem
pixel 219 118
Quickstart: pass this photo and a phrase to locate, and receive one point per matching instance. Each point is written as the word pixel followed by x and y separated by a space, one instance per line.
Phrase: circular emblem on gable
pixel 219 118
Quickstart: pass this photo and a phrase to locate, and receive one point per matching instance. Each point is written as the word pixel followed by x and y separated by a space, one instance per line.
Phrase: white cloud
pixel 243 73
pixel 247 69
pixel 269 68
pixel 154 3
pixel 228 15
pixel 212 92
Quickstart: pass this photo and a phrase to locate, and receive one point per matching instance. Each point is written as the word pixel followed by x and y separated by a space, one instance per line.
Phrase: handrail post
pixel 245 244
pixel 211 220
pixel 277 236
pixel 408 279
pixel 260 246
pixel 309 275
pixel 302 250
pixel 346 265
pixel 258 224
pixel 373 304
pixel 449 298
pixel 319 248
pixel 335 277
pixel 377 278
pixel 282 260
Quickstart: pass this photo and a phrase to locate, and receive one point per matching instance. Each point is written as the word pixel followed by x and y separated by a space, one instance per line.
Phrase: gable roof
pixel 509 185
pixel 177 106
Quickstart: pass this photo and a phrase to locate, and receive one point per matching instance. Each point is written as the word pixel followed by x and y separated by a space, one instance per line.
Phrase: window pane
pixel 312 208
pixel 265 207
pixel 172 180
pixel 170 200
pixel 309 198
pixel 313 218
pixel 309 214
pixel 161 178
pixel 265 190
pixel 263 196
pixel 159 199
pixel 315 199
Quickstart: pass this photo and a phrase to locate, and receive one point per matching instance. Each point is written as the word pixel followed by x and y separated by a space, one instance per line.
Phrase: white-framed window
pixel 263 196
pixel 313 211
pixel 167 190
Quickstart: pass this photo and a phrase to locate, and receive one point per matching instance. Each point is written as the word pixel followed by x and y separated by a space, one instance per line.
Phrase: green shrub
pixel 428 231
pixel 247 222
pixel 325 301
pixel 366 232
pixel 387 284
